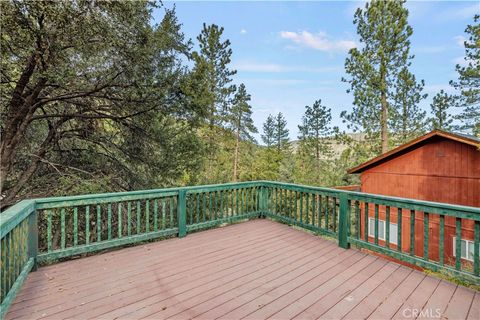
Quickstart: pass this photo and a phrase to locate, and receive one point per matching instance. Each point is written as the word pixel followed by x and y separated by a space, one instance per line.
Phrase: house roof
pixel 459 137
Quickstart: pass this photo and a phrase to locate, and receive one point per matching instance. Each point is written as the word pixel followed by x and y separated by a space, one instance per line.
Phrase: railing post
pixel 33 238
pixel 343 221
pixel 182 213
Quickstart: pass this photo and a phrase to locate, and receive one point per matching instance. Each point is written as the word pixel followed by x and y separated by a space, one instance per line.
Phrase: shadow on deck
pixel 256 270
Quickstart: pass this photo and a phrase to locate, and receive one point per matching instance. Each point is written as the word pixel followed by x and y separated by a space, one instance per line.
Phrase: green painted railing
pixel 46 230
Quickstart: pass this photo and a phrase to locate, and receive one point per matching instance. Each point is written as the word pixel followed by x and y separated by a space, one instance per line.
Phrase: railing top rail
pixel 55 202
pixel 14 215
pixel 434 207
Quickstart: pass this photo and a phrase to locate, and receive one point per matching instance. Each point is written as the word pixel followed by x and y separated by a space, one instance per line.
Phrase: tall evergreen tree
pixel 441 117
pixel 469 81
pixel 408 120
pixel 281 133
pixel 275 137
pixel 268 136
pixel 241 123
pixel 315 129
pixel 216 89
pixel 374 67
pixel 214 57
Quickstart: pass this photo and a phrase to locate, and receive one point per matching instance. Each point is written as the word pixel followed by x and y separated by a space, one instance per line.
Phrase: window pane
pixel 393 233
pixel 470 250
pixel 371 227
pixel 381 229
pixel 464 249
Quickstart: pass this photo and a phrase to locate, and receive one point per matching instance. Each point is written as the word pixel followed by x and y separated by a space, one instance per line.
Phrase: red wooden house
pixel 439 166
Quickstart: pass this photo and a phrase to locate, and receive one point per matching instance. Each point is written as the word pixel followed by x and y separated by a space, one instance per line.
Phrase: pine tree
pixel 268 136
pixel 315 129
pixel 214 57
pixel 441 118
pixel 469 81
pixel 408 120
pixel 241 123
pixel 281 133
pixel 373 68
pixel 215 87
pixel 275 137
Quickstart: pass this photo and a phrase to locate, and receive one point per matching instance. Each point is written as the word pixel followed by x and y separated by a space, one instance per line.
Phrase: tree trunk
pixel 235 161
pixel 384 123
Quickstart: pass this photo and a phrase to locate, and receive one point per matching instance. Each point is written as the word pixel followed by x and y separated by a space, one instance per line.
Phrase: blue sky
pixel 289 54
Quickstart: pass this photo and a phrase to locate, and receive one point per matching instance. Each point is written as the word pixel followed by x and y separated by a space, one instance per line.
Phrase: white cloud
pixel 247 66
pixel 320 41
pixel 243 31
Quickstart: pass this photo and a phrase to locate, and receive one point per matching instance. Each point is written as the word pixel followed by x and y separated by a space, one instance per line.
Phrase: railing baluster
pixel 376 223
pixel 49 230
pixel 119 228
pixel 147 216
pixel 399 230
pixel 314 200
pixel 87 225
pixel 301 206
pixel 307 218
pixel 164 213
pixel 365 223
pixel 62 227
pixel 476 249
pixel 171 212
pixel 75 226
pixel 412 232
pixel 139 213
pixel 458 243
pixel 129 218
pixel 387 226
pixel 222 211
pixel 155 215
pixel 99 223
pixel 197 210
pixel 320 210
pixel 426 225
pixel 334 211
pixel 441 240
pixel 109 221
pixel 296 205
pixel 358 221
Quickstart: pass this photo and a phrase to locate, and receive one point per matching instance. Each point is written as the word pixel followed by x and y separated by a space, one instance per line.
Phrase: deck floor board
pixel 254 270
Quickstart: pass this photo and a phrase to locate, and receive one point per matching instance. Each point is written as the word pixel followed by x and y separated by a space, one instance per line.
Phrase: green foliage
pixel 441 117
pixel 268 136
pixel 280 134
pixel 239 120
pixel 90 89
pixel 408 120
pixel 373 68
pixel 314 130
pixel 239 117
pixel 213 59
pixel 469 81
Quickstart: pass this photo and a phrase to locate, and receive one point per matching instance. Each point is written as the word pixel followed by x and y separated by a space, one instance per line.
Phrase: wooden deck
pixel 255 270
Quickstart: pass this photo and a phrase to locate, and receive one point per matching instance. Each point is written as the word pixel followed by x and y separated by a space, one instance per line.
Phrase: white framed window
pixel 466 248
pixel 382 230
